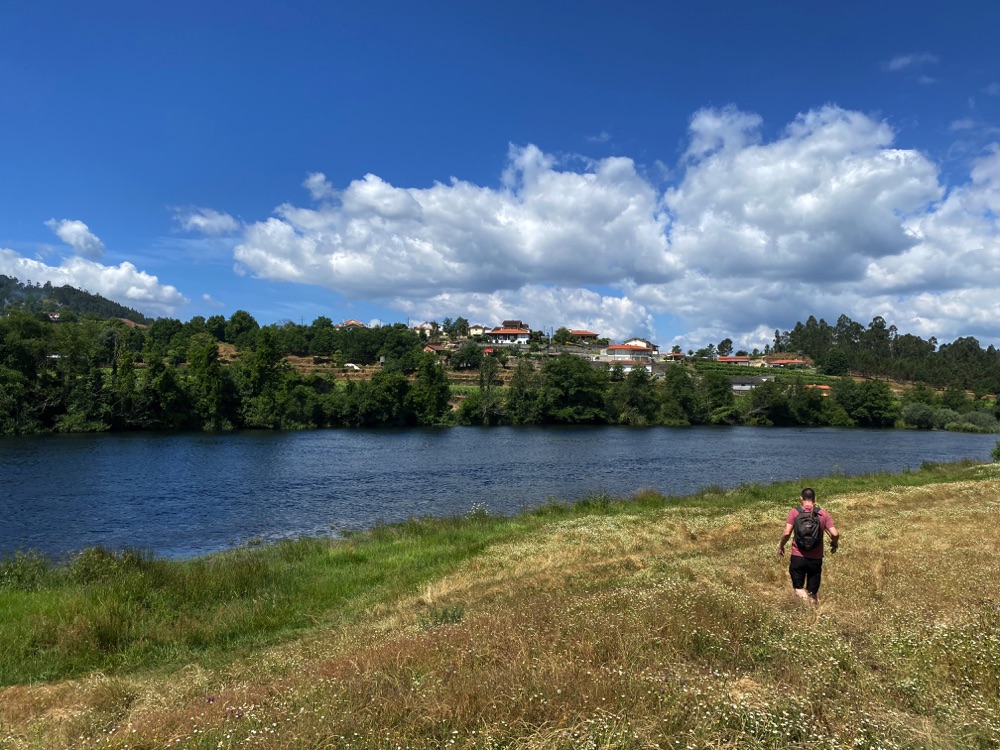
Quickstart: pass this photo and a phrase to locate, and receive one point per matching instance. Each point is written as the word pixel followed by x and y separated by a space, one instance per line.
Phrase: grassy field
pixel 648 622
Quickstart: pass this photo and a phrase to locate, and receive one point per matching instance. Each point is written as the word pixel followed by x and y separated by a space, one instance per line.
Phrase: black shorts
pixel 806 573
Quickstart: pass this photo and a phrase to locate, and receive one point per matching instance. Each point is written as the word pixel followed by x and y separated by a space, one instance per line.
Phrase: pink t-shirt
pixel 825 521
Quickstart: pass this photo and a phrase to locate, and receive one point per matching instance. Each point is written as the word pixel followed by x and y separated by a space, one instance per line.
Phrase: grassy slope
pixel 629 625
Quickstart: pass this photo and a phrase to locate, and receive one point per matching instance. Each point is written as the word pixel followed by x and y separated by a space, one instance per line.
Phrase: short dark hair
pixel 809 494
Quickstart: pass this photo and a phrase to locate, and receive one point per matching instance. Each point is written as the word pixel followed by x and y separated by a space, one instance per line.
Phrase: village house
pixel 477 330
pixel 438 350
pixel 351 324
pixel 428 329
pixel 507 335
pixel 745 385
pixel 627 352
pixel 583 336
pixel 824 390
pixel 736 359
pixel 636 341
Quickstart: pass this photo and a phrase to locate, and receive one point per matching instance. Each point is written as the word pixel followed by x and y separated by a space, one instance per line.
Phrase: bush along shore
pixel 643 622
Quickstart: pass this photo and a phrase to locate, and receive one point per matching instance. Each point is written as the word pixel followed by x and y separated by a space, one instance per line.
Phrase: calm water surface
pixel 189 494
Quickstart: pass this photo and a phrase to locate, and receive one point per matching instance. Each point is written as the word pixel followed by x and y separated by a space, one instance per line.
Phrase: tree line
pixel 87 373
pixel 879 350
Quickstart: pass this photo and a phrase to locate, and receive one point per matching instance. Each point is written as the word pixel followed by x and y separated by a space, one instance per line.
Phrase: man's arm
pixel 784 539
pixel 834 537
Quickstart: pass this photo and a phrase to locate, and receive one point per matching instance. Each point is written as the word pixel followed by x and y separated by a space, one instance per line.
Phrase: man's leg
pixel 797 572
pixel 814 576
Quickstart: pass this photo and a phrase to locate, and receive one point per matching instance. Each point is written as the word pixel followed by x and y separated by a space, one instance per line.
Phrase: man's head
pixel 808 496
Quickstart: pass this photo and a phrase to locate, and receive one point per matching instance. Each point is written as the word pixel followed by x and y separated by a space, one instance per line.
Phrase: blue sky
pixel 680 173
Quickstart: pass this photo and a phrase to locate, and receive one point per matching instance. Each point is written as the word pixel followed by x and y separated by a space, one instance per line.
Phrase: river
pixel 187 494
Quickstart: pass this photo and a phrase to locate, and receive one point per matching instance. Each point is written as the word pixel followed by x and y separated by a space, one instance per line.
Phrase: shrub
pixel 918 415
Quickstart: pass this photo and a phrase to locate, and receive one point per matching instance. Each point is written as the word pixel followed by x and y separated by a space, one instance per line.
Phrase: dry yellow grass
pixel 668 629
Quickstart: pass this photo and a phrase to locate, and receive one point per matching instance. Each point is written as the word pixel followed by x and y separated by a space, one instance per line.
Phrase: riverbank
pixel 652 622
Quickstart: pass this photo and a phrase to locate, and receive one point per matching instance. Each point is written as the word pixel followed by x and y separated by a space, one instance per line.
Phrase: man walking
pixel 806 526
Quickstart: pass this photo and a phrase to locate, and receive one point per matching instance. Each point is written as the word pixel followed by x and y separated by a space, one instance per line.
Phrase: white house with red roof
pixel 509 336
pixel 581 335
pixel 636 341
pixel 628 352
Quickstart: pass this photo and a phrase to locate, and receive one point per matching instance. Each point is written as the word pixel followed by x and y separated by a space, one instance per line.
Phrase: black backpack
pixel 808 528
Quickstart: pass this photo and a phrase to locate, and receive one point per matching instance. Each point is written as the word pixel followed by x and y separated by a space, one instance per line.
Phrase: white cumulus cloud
pixel 544 225
pixel 78 236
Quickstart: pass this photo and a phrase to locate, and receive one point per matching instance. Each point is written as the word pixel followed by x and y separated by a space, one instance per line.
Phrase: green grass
pixel 120 611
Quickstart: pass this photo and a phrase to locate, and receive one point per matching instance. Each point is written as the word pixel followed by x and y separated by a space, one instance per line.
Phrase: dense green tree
pixel 160 334
pixel 806 405
pixel 716 389
pixel 241 330
pixel 17 417
pixel 468 357
pixel 562 336
pixel 322 337
pixel 572 391
pixel 381 402
pixel 632 400
pixel 956 399
pixel 918 414
pixel 259 378
pixel 457 328
pixel 216 327
pixel 679 403
pixel 768 405
pixel 211 389
pixel 836 362
pixel 523 394
pixel 430 393
pixel 869 403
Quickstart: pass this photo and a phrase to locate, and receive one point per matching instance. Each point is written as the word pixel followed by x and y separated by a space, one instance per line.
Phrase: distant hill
pixel 48 298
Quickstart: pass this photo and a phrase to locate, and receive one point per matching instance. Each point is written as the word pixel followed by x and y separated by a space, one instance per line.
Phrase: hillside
pixel 611 625
pixel 47 298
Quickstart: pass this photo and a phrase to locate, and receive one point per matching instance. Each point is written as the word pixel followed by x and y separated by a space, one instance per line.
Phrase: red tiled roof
pixel 520 331
pixel 582 333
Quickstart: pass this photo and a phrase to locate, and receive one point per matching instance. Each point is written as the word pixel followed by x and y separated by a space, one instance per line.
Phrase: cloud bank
pixel 828 217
